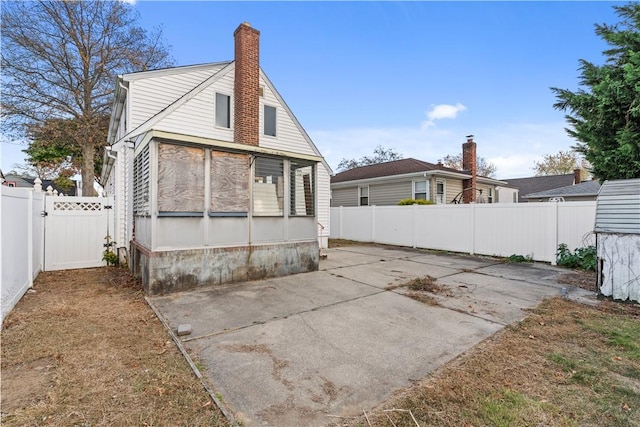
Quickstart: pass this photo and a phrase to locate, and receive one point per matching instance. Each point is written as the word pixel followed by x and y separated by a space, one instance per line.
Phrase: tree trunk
pixel 88 176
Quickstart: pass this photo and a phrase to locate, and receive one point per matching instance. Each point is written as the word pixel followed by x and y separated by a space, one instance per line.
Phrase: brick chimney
pixel 577 176
pixel 469 164
pixel 246 92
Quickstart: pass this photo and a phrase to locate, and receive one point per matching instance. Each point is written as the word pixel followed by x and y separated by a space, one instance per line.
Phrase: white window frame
pixel 444 192
pixel 215 110
pixel 413 188
pixel 264 120
pixel 360 196
pixel 490 195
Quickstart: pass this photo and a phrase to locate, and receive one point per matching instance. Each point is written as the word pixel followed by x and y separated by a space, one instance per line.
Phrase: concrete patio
pixel 291 351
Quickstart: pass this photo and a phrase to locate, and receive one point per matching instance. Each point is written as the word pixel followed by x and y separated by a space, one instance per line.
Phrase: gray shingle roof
pixel 397 167
pixel 537 184
pixel 587 188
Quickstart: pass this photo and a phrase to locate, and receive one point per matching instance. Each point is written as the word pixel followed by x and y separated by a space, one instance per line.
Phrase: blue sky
pixel 413 76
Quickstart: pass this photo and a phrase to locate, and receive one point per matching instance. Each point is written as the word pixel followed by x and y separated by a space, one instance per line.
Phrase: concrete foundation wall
pixel 164 272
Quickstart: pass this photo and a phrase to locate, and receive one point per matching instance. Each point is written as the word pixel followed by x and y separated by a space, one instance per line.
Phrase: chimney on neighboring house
pixel 246 92
pixel 469 164
pixel 577 176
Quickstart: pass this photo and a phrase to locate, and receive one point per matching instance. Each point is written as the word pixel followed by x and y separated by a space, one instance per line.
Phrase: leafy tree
pixel 59 63
pixel 604 115
pixel 380 155
pixel 561 163
pixel 484 168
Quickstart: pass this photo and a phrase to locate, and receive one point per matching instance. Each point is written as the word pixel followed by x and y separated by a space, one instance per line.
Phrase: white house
pixel 214 178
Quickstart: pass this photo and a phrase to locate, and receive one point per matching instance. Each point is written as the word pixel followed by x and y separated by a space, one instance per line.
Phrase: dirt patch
pixel 565 365
pixel 581 279
pixel 28 383
pixel 84 348
pixel 425 284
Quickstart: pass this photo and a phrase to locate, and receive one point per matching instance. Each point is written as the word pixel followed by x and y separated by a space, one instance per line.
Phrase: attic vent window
pixel 261 91
pixel 223 110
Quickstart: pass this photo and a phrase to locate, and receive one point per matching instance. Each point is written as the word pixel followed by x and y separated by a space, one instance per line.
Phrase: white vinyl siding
pixel 289 137
pixel 453 187
pixel 390 193
pixel 195 117
pixel 150 95
pixel 344 197
pixel 324 191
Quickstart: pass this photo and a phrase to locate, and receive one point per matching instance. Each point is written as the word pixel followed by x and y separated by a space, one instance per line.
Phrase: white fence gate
pixel 75 231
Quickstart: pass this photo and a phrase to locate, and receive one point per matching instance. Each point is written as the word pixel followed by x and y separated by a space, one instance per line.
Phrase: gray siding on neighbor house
pixel 389 193
pixel 618 207
pixel 344 196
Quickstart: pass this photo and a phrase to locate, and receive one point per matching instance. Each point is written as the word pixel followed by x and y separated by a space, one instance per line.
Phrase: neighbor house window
pixel 302 191
pixel 490 195
pixel 364 196
pixel 440 192
pixel 268 187
pixel 421 190
pixel 269 120
pixel 223 110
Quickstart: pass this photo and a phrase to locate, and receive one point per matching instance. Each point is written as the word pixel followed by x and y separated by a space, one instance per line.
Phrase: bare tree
pixel 562 163
pixel 380 155
pixel 484 168
pixel 59 62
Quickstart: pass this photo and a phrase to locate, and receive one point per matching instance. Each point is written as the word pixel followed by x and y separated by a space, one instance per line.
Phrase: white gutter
pixel 404 176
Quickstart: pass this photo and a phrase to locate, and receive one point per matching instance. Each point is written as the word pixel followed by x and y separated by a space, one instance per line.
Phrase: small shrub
pixel 583 258
pixel 109 256
pixel 405 202
pixel 519 258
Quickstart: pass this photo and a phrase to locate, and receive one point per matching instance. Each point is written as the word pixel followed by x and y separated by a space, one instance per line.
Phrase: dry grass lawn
pixel 85 349
pixel 564 365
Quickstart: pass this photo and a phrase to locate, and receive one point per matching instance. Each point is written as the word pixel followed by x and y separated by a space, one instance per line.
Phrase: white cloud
pixel 442 111
pixel 132 2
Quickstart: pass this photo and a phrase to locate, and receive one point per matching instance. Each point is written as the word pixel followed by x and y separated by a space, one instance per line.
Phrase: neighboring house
pixel 18 181
pixel 214 178
pixel 536 184
pixel 617 229
pixel 583 191
pixel 388 183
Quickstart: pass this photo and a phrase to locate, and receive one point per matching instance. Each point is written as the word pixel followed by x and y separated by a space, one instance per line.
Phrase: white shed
pixel 617 231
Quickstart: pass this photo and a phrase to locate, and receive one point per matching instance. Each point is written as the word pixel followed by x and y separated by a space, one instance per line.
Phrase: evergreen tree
pixel 604 115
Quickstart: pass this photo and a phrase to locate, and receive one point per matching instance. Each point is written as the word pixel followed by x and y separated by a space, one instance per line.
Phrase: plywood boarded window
pixel 229 182
pixel 180 178
pixel 268 187
pixel 302 187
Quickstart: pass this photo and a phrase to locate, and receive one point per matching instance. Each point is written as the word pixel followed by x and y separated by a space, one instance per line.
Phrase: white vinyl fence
pixel 501 229
pixel 22 243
